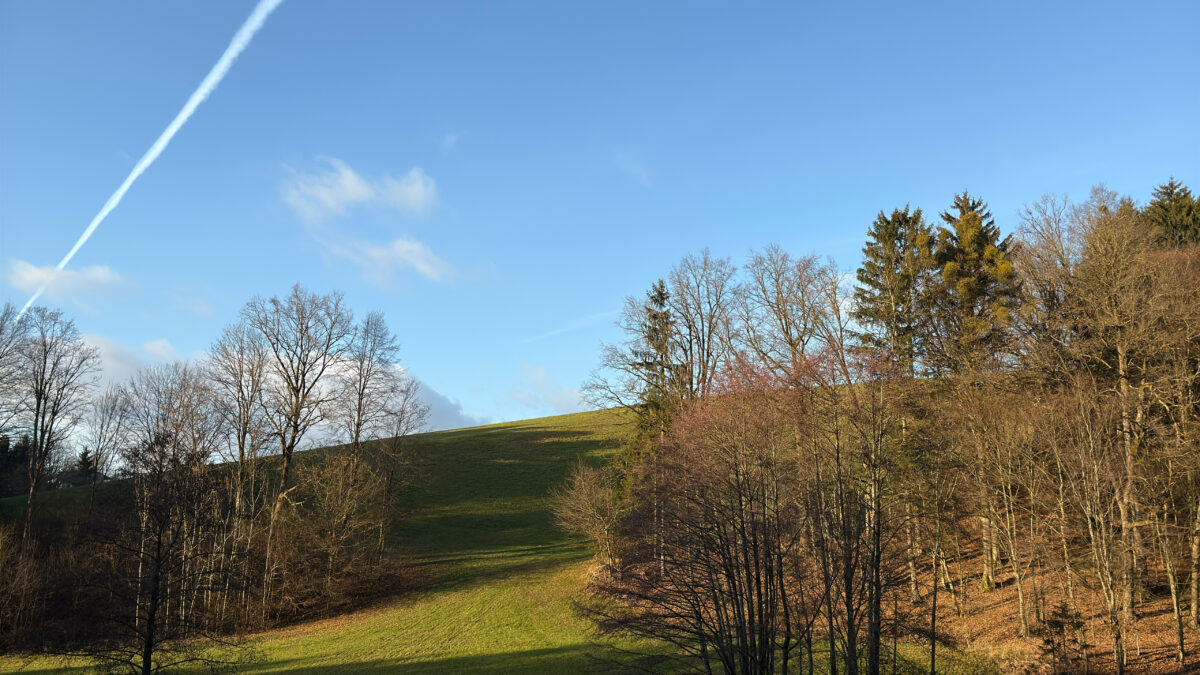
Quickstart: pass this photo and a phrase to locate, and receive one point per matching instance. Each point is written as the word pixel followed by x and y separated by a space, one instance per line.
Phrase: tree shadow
pixel 577 658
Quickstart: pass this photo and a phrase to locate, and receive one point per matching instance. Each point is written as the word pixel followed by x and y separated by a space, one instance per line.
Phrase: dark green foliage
pixel 896 260
pixel 660 397
pixel 976 289
pixel 1062 639
pixel 14 478
pixel 1175 214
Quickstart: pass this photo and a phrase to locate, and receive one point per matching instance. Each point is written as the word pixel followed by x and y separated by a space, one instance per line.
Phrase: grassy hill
pixel 501 577
pixel 504 576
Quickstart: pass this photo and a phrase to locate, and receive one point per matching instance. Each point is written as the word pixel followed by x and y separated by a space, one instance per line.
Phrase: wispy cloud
pixel 160 349
pixel 452 139
pixel 632 165
pixel 573 325
pixel 59 284
pixel 336 188
pixel 380 262
pixel 538 391
pixel 414 191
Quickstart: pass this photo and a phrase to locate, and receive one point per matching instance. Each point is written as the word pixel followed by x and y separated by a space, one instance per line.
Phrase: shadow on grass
pixel 578 658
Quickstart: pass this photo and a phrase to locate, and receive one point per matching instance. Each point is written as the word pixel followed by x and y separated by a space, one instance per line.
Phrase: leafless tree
pixel 56 375
pixel 236 370
pixel 305 335
pixel 777 308
pixel 369 382
pixel 106 430
pixel 721 584
pixel 701 301
pixel 12 334
pixel 589 504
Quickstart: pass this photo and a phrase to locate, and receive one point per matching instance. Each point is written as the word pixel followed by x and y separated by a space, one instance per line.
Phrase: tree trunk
pixel 1195 571
pixel 914 589
pixel 933 615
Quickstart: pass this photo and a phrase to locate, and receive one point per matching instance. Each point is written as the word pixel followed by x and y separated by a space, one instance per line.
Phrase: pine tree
pixel 976 287
pixel 896 260
pixel 1175 214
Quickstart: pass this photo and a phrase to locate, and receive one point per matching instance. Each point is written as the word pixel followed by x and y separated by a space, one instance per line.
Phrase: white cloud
pixel 445 412
pixel 631 164
pixel 68 283
pixel 336 188
pixel 160 349
pixel 538 391
pixel 380 262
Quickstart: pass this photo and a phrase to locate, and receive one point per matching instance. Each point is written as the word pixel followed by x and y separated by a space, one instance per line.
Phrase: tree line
pixel 827 464
pixel 196 520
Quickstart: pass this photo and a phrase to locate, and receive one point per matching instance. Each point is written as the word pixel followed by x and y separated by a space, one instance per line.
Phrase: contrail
pixel 240 40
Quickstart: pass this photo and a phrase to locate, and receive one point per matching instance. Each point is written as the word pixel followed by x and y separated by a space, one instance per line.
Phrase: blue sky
pixel 496 178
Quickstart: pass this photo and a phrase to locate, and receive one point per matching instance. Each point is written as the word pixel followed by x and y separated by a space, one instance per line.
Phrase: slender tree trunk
pixel 1168 560
pixel 875 596
pixel 1127 505
pixel 1195 569
pixel 933 614
pixel 914 550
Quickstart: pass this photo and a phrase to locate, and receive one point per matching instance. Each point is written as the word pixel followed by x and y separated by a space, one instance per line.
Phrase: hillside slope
pixel 498 578
pixel 504 576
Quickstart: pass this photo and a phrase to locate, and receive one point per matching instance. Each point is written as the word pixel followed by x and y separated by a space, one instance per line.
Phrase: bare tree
pixel 701 301
pixel 12 334
pixel 589 504
pixel 56 376
pixel 720 580
pixel 776 308
pixel 107 430
pixel 369 382
pixel 237 369
pixel 305 335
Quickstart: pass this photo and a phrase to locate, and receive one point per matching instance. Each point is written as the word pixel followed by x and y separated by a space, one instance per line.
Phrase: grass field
pixel 502 577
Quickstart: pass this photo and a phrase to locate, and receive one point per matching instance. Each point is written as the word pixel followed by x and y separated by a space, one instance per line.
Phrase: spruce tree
pixel 896 259
pixel 1175 214
pixel 976 287
pixel 653 356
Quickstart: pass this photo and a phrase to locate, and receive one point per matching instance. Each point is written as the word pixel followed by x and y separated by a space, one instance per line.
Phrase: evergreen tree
pixel 660 397
pixel 896 260
pixel 976 287
pixel 85 465
pixel 1175 214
